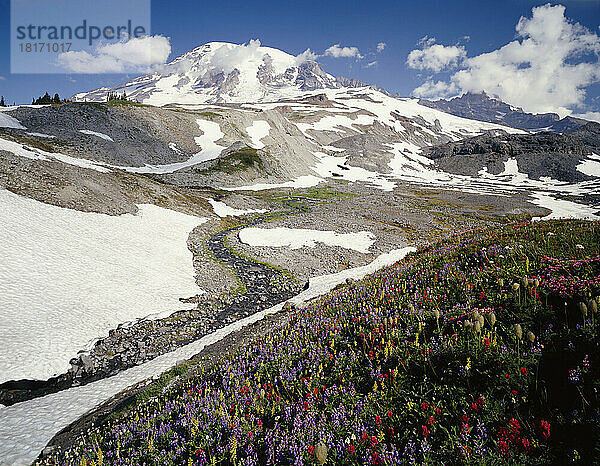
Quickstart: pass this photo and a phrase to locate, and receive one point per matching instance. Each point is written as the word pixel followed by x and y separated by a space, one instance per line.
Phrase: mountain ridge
pixel 482 107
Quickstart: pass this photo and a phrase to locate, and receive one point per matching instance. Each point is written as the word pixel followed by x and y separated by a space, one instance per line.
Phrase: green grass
pixel 124 103
pixel 240 160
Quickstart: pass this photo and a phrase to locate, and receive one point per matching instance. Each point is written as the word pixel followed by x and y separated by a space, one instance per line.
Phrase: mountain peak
pixel 225 72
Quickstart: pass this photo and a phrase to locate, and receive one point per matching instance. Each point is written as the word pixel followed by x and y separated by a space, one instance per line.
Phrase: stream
pixel 132 344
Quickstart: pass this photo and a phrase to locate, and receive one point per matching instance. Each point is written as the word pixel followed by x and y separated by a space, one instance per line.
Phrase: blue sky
pixel 296 26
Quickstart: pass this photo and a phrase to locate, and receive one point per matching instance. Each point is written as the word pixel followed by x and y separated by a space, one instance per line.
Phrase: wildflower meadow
pixel 480 349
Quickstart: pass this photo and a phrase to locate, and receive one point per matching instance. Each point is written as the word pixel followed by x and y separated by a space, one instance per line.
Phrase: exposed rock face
pixel 537 155
pixel 311 76
pixel 266 72
pixel 348 82
pixel 540 143
pixel 480 106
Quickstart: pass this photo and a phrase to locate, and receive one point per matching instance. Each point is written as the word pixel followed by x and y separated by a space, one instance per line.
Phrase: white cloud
pixel 336 51
pixel 381 46
pixel 592 116
pixel 435 90
pixel 133 55
pixel 226 59
pixel 435 57
pixel 2 78
pixel 546 69
pixel 307 55
pixel 371 64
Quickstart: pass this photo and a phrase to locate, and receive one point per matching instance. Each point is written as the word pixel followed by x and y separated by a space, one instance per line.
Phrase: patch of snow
pixel 328 166
pixel 296 238
pixel 68 277
pixel 336 123
pixel 590 166
pixel 97 134
pixel 511 170
pixel 42 135
pixel 26 428
pixel 407 161
pixel 38 154
pixel 213 107
pixel 174 148
pixel 14 107
pixel 210 150
pixel 333 148
pixel 258 130
pixel 223 210
pixel 562 208
pixel 304 181
pixel 7 121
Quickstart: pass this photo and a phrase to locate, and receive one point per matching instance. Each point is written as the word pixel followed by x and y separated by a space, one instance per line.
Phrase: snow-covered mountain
pixel 257 118
pixel 223 72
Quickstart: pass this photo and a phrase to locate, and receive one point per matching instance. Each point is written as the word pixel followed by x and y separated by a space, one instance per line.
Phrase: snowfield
pixel 207 142
pixel 26 428
pixel 68 277
pixel 385 108
pixel 296 238
pixel 223 210
pixel 590 166
pixel 258 130
pixel 38 154
pixel 335 123
pixel 95 133
pixel 562 208
pixel 10 122
pixel 42 135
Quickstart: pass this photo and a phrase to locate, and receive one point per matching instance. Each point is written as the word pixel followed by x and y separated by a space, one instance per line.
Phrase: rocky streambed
pixel 261 286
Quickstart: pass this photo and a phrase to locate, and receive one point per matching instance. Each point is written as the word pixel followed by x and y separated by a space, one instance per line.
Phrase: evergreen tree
pixel 45 99
pixel 56 99
pixel 2 104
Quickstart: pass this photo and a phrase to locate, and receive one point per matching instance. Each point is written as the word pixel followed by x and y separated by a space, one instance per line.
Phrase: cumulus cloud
pixel 546 69
pixel 592 116
pixel 435 57
pixel 435 89
pixel 130 55
pixel 307 55
pixel 226 59
pixel 381 46
pixel 336 51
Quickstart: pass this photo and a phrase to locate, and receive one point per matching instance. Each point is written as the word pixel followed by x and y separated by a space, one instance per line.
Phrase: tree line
pixel 115 96
pixel 47 99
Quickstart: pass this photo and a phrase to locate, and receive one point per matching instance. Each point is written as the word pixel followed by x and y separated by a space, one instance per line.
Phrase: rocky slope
pixel 537 155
